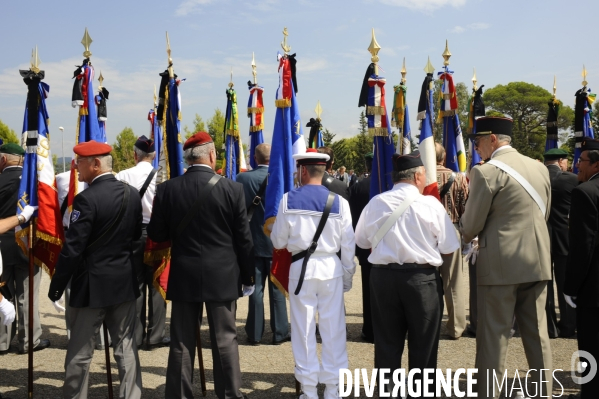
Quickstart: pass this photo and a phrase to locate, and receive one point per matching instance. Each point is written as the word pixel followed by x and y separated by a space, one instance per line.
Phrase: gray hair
pixel 593 155
pixel 199 153
pixel 503 138
pixel 11 157
pixel 141 155
pixel 408 174
pixel 105 162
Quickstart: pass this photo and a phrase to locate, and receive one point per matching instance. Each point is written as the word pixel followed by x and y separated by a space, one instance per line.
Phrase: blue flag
pixel 255 111
pixel 174 147
pixel 232 142
pixel 88 126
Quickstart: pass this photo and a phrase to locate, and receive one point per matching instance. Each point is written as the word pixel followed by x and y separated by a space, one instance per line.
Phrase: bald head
pixel 440 154
pixel 262 154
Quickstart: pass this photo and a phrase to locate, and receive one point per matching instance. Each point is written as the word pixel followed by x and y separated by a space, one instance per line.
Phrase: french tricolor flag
pixel 427 141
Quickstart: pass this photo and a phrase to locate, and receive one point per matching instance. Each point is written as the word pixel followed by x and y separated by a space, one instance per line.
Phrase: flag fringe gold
pixel 233 132
pixel 378 131
pixel 278 284
pixel 421 115
pixel 157 274
pixel 375 110
pixel 283 103
pixel 255 110
pixel 154 256
pixel 254 129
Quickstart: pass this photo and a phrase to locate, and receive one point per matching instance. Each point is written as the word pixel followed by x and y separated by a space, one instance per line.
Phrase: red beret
pixel 92 148
pixel 198 139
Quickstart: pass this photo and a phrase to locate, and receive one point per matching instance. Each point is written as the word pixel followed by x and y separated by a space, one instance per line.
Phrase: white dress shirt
pixel 62 186
pixel 420 235
pixel 503 147
pixel 136 177
pixel 295 231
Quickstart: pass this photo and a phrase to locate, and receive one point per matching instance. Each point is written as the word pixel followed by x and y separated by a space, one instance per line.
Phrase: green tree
pixel 526 104
pixel 122 150
pixel 57 168
pixel 363 140
pixel 7 134
pixel 216 126
pixel 327 137
pixel 198 126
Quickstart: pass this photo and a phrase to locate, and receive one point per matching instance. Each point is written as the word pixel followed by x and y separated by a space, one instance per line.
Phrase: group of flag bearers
pixel 302 261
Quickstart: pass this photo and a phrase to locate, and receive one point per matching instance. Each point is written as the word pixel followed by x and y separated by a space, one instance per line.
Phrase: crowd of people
pixel 517 224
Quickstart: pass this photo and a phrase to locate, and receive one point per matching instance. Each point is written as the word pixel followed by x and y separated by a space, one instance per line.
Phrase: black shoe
pixel 252 342
pixel 366 338
pixel 469 333
pixel 286 339
pixel 100 347
pixel 4 352
pixel 44 343
pixel 166 341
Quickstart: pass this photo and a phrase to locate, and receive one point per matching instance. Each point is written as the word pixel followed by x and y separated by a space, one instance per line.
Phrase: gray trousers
pixel 452 274
pixel 17 281
pixel 67 317
pixel 85 324
pixel 185 317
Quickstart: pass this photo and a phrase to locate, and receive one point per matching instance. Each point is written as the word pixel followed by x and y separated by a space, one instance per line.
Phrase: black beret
pixel 492 125
pixel 145 144
pixel 408 161
pixel 589 144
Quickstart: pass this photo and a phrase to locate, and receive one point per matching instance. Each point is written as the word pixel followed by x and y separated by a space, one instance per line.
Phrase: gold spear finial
pixel 584 76
pixel 474 87
pixel 284 45
pixel 101 80
pixel 35 61
pixel 254 72
pixel 86 41
pixel 554 85
pixel 155 97
pixel 446 54
pixel 171 72
pixel 231 81
pixel 374 50
pixel 318 110
pixel 429 68
pixel 403 72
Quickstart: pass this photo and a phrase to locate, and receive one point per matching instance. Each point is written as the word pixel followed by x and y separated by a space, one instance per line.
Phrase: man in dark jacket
pixel 97 255
pixel 252 182
pixel 328 180
pixel 212 262
pixel 359 195
pixel 582 270
pixel 562 184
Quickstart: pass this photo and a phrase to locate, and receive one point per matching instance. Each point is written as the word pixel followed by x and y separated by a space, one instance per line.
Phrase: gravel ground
pixel 267 370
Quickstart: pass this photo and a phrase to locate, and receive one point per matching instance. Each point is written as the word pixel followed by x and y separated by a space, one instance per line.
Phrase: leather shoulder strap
pixel 392 219
pixel 257 199
pixel 143 188
pixel 197 205
pixel 523 182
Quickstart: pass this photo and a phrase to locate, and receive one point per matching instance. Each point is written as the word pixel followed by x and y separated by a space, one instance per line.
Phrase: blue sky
pixel 506 41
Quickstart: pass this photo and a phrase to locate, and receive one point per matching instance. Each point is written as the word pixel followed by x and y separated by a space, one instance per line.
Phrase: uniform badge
pixel 74 216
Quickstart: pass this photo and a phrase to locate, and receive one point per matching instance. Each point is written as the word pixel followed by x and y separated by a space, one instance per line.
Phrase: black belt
pixel 405 266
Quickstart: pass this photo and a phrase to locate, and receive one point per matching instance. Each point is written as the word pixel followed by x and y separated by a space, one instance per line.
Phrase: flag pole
pixel 30 318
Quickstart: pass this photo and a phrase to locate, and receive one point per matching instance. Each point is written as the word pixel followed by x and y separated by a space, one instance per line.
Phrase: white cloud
pixel 191 7
pixel 424 5
pixel 472 26
pixel 457 29
pixel 263 5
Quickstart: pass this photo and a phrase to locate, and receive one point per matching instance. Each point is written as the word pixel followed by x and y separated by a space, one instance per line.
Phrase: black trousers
pixel 567 314
pixel 406 301
pixel 587 323
pixel 365 267
pixel 552 326
pixel 185 317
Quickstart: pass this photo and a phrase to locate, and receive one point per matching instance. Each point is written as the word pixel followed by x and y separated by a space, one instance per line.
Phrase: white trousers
pixel 326 298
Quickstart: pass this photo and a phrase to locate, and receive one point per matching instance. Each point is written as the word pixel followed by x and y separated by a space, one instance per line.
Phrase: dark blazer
pixel 562 184
pixel 336 186
pixel 252 180
pixel 359 196
pixel 582 272
pixel 10 179
pixel 214 255
pixel 106 276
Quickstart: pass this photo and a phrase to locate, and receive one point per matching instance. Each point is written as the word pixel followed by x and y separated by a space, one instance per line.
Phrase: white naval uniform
pixel 322 290
pixel 136 177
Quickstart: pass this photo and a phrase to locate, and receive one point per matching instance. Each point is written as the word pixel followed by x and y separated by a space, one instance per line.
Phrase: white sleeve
pixel 348 244
pixel 447 239
pixel 361 237
pixel 280 229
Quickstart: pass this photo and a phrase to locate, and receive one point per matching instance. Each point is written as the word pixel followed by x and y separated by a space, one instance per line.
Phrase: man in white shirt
pixel 406 290
pixel 143 177
pixel 323 280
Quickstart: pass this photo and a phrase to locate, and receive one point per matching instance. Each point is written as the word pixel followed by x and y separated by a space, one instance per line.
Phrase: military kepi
pixel 311 157
pixel 145 144
pixel 555 154
pixel 492 125
pixel 408 161
pixel 589 145
pixel 92 149
pixel 12 148
pixel 198 139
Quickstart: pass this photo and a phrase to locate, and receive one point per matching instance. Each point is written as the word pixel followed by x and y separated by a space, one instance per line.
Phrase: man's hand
pixel 59 305
pixel 347 282
pixel 28 212
pixel 570 300
pixel 247 289
pixel 7 309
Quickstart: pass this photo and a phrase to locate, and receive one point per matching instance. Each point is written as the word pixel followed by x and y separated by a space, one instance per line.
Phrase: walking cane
pixel 201 361
pixel 107 353
pixel 298 388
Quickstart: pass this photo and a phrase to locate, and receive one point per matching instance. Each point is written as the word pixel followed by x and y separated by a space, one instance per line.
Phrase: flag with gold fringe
pixel 233 155
pixel 255 112
pixel 400 115
pixel 476 109
pixel 583 127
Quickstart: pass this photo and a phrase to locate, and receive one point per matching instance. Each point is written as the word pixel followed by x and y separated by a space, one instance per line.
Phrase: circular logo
pixel 588 366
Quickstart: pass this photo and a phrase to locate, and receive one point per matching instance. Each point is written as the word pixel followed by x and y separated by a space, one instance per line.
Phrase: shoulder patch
pixel 75 215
